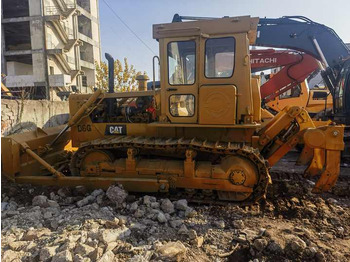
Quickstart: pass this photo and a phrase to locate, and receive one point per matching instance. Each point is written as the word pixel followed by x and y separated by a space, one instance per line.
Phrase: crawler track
pixel 175 148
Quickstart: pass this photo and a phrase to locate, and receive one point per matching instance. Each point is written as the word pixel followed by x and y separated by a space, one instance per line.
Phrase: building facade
pixel 50 46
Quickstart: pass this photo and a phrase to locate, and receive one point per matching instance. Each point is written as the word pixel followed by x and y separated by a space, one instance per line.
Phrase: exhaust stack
pixel 110 60
pixel 110 101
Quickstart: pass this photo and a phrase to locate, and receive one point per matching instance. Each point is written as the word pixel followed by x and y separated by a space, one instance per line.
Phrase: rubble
pixel 172 250
pixel 117 195
pixel 82 226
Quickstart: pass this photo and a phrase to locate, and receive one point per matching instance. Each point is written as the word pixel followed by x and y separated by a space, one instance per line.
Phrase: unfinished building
pixel 49 46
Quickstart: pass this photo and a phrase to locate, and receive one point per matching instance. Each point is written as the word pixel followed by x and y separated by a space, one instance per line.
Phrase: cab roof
pixel 217 26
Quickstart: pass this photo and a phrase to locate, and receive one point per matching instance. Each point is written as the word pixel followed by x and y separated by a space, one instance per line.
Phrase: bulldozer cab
pixel 205 71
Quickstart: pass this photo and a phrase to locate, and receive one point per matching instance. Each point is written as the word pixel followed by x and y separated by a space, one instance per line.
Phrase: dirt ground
pixel 51 224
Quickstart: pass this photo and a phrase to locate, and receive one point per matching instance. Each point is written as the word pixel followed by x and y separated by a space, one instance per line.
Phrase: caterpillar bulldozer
pixel 200 133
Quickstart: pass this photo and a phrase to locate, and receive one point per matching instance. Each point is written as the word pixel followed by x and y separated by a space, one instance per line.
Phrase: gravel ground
pixel 61 224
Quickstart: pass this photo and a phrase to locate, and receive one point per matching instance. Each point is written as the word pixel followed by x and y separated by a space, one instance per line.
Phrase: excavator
pixel 200 133
pixel 289 85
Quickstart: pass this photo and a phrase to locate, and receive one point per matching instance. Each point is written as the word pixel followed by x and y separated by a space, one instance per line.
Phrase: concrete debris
pixel 117 195
pixel 172 250
pixel 167 206
pixel 63 256
pixel 78 225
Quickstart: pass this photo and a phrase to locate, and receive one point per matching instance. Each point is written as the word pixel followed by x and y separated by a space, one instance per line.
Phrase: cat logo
pixel 115 130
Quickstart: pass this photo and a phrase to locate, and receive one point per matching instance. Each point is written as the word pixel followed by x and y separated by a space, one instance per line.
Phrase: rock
pixel 63 256
pixel 167 206
pixel 112 223
pixel 68 245
pixel 122 220
pixel 85 201
pixel 117 195
pixel 274 247
pixel 99 199
pixel 52 203
pixel 36 234
pixel 148 200
pixel 18 245
pixel 139 213
pixel 219 224
pixel 12 206
pixel 11 213
pixel 183 230
pixel 47 214
pixel 198 241
pixel 84 250
pixel 161 217
pixel 40 201
pixel 320 257
pixel 155 205
pixel 111 235
pixel 260 244
pixel 133 207
pixel 239 224
pixel 190 212
pixel 96 254
pixel 107 257
pixel 171 250
pixel 80 190
pixel 54 224
pixel 4 206
pixel 47 253
pixel 340 231
pixel 64 192
pixel 137 227
pixel 192 234
pixel 111 246
pixel 181 204
pixel 9 256
pixel 139 258
pixel 295 243
pixel 310 252
pixel 176 223
pixel 80 258
pixel 332 201
pixel 97 192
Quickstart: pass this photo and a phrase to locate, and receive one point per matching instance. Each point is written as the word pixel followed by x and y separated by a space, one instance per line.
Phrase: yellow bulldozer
pixel 199 133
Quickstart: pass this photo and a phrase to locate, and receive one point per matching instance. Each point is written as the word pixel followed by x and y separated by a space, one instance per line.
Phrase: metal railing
pixel 55 10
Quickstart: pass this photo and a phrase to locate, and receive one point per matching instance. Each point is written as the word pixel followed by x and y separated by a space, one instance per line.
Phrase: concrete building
pixel 50 46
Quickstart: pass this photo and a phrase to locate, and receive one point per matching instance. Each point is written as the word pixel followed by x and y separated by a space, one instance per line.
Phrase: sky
pixel 140 15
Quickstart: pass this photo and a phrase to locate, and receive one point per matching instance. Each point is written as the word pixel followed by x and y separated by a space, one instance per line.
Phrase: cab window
pixel 182 105
pixel 293 92
pixel 182 62
pixel 219 57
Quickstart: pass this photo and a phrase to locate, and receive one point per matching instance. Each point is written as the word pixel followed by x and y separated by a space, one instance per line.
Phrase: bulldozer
pixel 199 133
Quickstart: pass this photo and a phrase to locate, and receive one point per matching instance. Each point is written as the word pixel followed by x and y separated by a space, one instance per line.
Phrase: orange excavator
pixel 289 85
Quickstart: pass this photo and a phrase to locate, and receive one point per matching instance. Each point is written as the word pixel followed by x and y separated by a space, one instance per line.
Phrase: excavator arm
pixel 296 68
pixel 324 144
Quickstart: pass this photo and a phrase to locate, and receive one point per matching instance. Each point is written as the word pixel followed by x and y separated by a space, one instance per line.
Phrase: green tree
pixel 124 76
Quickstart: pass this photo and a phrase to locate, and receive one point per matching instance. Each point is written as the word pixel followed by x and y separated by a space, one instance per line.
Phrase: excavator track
pixel 176 147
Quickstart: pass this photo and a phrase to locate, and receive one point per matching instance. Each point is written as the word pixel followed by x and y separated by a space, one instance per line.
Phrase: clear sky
pixel 139 15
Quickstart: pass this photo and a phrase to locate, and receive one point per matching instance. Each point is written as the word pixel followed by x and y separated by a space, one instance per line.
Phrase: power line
pixel 125 24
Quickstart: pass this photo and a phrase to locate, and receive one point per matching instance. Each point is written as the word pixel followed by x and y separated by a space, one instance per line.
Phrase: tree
pixel 124 76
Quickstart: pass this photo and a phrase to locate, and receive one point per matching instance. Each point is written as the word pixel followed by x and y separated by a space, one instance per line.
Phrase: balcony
pixel 59 80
